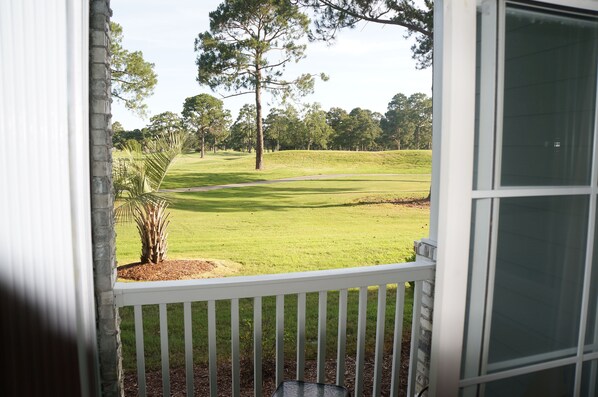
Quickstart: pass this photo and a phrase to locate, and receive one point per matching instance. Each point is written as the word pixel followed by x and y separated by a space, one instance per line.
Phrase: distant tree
pixel 421 119
pixel 275 127
pixel 317 130
pixel 357 130
pixel 205 114
pixel 377 116
pixel 396 123
pixel 243 131
pixel 247 48
pixel 117 130
pixel 338 120
pixel 137 181
pixel 220 131
pixel 408 122
pixel 117 135
pixel 165 124
pixel 132 78
pixel 416 16
pixel 121 136
pixel 291 128
pixel 363 129
pixel 117 127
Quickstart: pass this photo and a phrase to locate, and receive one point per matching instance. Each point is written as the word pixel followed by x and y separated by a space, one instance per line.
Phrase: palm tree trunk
pixel 152 221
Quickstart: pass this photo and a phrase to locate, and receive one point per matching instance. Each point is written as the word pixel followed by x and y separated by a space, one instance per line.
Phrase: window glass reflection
pixel 538 281
pixel 549 98
pixel 555 382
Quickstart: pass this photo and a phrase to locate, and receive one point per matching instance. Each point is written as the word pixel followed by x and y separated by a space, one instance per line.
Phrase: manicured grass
pixel 283 227
pixel 234 167
pixel 293 226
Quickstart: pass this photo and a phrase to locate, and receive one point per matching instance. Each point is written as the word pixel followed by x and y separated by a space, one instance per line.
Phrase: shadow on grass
pixel 374 180
pixel 232 155
pixel 199 179
pixel 262 198
pixel 193 179
pixel 281 196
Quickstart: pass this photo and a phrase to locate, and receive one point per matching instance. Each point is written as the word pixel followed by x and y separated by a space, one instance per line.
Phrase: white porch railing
pixel 234 288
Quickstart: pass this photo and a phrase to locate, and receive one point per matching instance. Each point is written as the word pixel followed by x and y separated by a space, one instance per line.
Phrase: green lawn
pixel 293 226
pixel 284 227
pixel 235 167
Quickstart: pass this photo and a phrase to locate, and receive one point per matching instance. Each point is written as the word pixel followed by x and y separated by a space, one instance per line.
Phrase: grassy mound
pixel 234 167
pixel 406 161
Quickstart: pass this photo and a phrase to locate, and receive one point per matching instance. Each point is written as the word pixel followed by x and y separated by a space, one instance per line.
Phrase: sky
pixel 367 66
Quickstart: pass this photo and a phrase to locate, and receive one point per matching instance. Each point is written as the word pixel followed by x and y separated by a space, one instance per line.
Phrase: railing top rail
pixel 156 292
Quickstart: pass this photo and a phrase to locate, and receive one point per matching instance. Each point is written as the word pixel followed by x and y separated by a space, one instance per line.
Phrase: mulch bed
pixel 412 202
pixel 202 383
pixel 176 269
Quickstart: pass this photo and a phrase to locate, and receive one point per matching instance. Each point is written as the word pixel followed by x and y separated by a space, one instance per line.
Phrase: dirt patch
pixel 411 202
pixel 177 269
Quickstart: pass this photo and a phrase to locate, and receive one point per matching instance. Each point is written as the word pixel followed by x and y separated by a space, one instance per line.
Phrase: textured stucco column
pixel 425 251
pixel 102 199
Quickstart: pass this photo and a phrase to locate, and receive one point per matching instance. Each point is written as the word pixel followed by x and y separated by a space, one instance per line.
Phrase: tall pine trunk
pixel 259 147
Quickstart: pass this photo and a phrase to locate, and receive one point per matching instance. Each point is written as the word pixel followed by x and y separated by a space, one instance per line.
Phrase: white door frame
pixel 454 107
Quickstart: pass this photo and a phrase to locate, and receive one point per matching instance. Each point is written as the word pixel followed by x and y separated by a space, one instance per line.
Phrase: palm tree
pixel 137 179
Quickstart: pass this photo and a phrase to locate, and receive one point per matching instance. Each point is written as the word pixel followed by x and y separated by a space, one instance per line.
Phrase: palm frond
pixel 125 212
pixel 156 167
pixel 138 173
pixel 161 157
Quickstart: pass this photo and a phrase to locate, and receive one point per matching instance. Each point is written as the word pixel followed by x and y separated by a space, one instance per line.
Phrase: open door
pixel 527 321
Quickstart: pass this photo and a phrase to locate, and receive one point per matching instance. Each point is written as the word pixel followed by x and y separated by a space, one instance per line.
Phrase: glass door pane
pixel 554 382
pixel 591 339
pixel 589 379
pixel 549 98
pixel 540 260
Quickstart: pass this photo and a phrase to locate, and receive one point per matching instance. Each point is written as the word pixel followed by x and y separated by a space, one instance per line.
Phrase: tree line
pixel 245 51
pixel 407 124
